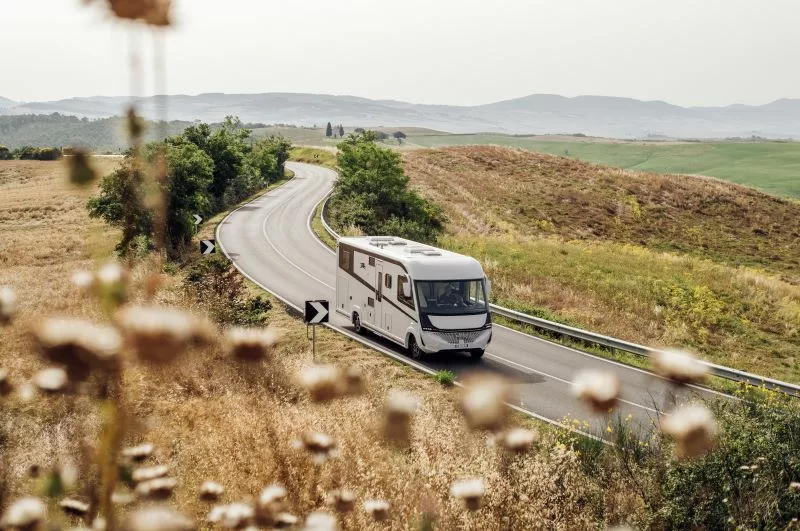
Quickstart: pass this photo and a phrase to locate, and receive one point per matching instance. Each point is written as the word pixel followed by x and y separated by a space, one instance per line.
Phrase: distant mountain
pixel 535 114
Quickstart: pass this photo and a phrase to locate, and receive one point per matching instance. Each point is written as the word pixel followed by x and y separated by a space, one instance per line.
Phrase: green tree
pixel 372 193
pixel 328 130
pixel 5 153
pixel 399 135
pixel 190 172
pixel 341 131
pixel 279 147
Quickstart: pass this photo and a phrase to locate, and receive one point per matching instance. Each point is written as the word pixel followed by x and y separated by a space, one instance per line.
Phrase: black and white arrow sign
pixel 316 312
pixel 208 246
pixel 197 219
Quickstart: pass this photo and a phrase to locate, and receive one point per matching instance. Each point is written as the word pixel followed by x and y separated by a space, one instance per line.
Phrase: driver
pixel 450 296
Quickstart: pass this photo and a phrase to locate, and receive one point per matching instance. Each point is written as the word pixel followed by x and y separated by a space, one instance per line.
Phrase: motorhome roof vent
pixel 398 242
pixel 417 250
pixel 431 252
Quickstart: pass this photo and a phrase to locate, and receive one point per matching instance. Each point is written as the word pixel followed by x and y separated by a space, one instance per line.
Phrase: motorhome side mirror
pixel 407 290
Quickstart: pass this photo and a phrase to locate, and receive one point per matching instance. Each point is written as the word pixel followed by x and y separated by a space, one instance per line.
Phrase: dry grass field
pixel 656 259
pixel 212 418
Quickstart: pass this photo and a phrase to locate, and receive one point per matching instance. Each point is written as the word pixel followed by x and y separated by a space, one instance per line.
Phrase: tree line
pixel 204 172
pixel 30 153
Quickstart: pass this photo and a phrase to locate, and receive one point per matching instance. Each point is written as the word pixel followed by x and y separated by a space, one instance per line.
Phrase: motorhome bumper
pixel 455 340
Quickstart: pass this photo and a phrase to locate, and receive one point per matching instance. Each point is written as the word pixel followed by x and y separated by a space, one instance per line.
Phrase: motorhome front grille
pixel 466 336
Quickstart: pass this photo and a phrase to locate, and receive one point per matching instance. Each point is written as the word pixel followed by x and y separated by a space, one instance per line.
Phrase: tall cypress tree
pixel 341 131
pixel 329 130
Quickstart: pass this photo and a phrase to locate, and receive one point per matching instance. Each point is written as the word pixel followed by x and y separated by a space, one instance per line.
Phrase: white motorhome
pixel 423 298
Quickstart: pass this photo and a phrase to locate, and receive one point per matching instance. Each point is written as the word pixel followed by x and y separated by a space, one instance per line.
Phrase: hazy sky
pixel 688 52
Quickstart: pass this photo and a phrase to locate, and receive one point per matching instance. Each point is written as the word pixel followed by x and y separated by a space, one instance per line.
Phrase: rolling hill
pixel 534 114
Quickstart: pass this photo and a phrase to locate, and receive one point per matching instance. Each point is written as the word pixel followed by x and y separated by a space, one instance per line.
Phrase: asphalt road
pixel 270 240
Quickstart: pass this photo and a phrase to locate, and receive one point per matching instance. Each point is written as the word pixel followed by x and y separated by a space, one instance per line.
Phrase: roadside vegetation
pixel 312 155
pixel 371 195
pixel 30 153
pixel 211 416
pixel 658 260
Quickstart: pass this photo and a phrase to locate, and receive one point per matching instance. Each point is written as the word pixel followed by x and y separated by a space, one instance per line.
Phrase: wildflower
pixel 122 498
pixel 599 389
pixel 150 472
pixel 377 509
pixel 320 521
pixel 517 439
pixel 678 366
pixel 83 279
pixel 24 514
pixel 211 490
pixel 483 402
pixel 794 486
pixel 74 507
pixel 52 380
pixel 342 500
pixel 398 410
pixel 8 304
pixel 694 429
pixel 323 382
pixel 79 345
pixel 251 344
pixel 321 446
pixel 284 520
pixel 138 453
pixel 5 383
pixel 158 335
pixel 156 489
pixel 271 502
pixel 354 380
pixel 26 392
pixel 232 516
pixel 157 518
pixel 470 491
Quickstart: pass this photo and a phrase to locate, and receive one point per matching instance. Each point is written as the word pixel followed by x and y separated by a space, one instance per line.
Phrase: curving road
pixel 270 240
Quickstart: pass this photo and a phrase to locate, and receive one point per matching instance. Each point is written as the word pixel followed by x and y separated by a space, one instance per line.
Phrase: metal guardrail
pixel 611 342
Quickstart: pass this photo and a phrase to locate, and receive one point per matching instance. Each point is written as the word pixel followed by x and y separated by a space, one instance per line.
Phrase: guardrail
pixel 611 342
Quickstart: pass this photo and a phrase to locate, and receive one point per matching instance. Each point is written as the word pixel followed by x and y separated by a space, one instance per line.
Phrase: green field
pixel 773 167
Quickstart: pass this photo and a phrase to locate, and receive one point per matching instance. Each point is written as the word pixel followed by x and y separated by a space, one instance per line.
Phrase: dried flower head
pixel 79 345
pixel 342 500
pixel 81 171
pixel 399 409
pixel 271 502
pixel 794 486
pixel 679 367
pixel 211 491
pixel 284 520
pixel 320 446
pixel 355 383
pixel 26 392
pixel 517 439
pixel 139 453
pixel 377 509
pixel 484 402
pixel 122 498
pixel 158 335
pixel 471 491
pixel 151 12
pixel 5 383
pixel 320 521
pixel 599 389
pixel 251 344
pixel 24 514
pixel 694 429
pixel 323 382
pixel 232 516
pixel 83 279
pixel 52 380
pixel 8 304
pixel 157 518
pixel 150 472
pixel 73 506
pixel 156 489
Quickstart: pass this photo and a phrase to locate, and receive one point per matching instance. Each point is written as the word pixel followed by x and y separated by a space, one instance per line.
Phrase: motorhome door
pixel 378 313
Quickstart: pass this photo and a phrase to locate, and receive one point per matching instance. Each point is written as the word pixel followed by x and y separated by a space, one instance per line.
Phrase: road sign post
pixel 316 313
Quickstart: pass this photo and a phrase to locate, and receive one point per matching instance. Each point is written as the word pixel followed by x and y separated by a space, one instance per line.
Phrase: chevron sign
pixel 316 312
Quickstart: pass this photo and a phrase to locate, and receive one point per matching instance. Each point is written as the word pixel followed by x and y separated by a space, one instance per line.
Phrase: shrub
pixel 444 377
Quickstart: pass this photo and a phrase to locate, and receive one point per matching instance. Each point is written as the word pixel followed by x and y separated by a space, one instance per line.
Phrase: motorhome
pixel 426 299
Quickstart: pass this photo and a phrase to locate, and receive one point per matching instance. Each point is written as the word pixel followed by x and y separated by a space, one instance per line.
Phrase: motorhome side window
pixel 388 281
pixel 372 260
pixel 401 282
pixel 344 259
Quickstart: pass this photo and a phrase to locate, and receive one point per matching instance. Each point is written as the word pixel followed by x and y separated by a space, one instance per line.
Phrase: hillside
pixel 657 259
pixel 534 114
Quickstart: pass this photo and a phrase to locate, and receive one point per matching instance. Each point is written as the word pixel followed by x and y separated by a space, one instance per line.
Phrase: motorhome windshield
pixel 451 297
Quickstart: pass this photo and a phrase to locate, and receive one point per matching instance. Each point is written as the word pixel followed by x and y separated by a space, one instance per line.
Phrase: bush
pixel 5 153
pixel 220 291
pixel 446 378
pixel 36 153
